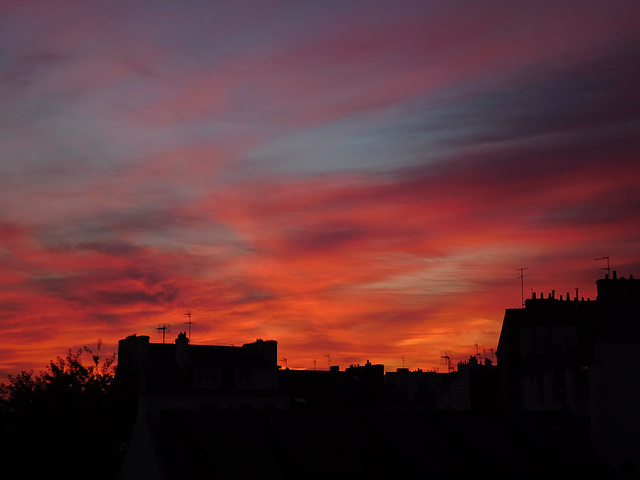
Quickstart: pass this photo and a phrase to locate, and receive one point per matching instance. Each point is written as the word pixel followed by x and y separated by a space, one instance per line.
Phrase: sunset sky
pixel 358 179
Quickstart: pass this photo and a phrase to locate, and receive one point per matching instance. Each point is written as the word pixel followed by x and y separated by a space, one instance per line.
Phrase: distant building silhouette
pixel 202 376
pixel 474 387
pixel 358 387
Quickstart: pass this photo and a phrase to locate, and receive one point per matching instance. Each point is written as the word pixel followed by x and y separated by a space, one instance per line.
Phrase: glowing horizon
pixel 354 179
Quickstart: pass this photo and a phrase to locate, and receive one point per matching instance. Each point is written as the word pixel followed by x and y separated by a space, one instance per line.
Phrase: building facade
pixel 581 355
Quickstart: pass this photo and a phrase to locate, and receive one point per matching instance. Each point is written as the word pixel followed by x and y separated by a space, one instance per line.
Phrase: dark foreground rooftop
pixel 369 444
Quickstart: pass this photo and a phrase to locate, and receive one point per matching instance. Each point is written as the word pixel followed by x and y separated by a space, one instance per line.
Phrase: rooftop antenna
pixel 164 327
pixel 329 360
pixel 607 268
pixel 189 322
pixel 521 277
pixel 447 358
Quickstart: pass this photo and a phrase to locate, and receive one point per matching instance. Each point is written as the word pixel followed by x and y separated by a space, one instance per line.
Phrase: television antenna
pixel 164 327
pixel 189 322
pixel 521 277
pixel 607 268
pixel 447 358
pixel 328 355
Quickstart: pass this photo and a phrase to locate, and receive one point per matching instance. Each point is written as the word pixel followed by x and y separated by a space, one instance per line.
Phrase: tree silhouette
pixel 66 383
pixel 68 418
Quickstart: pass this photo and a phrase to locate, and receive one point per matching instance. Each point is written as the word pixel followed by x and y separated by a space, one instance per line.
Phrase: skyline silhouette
pixel 443 360
pixel 360 181
pixel 561 400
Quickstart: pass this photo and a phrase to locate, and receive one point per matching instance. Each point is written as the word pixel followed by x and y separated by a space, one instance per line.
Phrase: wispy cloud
pixel 349 179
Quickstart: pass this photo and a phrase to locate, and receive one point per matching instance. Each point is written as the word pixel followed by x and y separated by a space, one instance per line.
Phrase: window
pixel 244 375
pixel 207 377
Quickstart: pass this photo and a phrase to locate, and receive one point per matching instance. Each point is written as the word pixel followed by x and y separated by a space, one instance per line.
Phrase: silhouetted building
pixel 579 354
pixel 419 389
pixel 473 387
pixel 566 375
pixel 358 387
pixel 181 377
pixel 202 376
pixel 544 352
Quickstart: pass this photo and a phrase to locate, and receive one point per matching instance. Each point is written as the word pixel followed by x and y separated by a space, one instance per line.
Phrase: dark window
pixel 559 387
pixel 206 377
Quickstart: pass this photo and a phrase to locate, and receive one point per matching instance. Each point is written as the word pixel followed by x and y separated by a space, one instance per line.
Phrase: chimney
pixel 181 350
pixel 615 275
pixel 553 294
